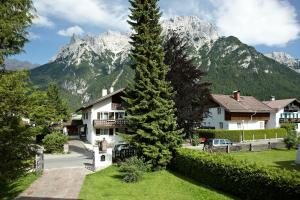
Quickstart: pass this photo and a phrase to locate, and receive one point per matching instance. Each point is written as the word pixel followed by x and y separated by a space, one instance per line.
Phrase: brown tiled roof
pixel 278 104
pixel 247 104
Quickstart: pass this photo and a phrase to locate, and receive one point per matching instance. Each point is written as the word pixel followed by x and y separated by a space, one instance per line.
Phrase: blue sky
pixel 268 25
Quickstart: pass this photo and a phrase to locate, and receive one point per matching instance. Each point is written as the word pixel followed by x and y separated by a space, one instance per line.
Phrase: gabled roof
pixel 101 99
pixel 247 104
pixel 278 104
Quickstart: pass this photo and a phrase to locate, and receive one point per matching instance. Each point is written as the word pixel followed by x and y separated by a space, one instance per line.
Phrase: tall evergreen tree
pixel 15 18
pixel 150 107
pixel 192 93
pixel 57 102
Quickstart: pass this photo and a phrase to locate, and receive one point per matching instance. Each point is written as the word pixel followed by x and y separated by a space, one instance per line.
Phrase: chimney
pixel 104 92
pixel 111 89
pixel 273 98
pixel 237 95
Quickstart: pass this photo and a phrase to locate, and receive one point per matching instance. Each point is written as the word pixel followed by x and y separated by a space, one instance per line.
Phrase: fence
pixel 247 147
pixel 123 154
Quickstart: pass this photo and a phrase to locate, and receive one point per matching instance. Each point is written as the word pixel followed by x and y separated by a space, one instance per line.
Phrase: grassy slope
pixel 280 158
pixel 15 188
pixel 107 185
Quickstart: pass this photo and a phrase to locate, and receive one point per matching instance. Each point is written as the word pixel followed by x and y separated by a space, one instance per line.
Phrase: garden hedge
pixel 240 178
pixel 236 135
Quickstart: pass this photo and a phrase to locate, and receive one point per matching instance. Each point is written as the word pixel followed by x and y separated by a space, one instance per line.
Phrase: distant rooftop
pixel 278 104
pixel 246 104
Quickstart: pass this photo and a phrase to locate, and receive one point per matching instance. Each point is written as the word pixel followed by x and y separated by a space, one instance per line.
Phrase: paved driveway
pixel 79 156
pixel 63 175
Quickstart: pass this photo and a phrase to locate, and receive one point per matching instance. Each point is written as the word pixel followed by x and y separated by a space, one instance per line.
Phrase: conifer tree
pixel 192 92
pixel 149 99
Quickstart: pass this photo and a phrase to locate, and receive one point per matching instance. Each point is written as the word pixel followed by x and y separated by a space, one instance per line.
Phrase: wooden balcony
pixel 116 106
pixel 109 123
pixel 289 120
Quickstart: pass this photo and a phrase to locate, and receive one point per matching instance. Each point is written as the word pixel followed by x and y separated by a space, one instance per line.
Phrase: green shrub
pixel 195 140
pixel 54 142
pixel 237 135
pixel 133 169
pixel 241 178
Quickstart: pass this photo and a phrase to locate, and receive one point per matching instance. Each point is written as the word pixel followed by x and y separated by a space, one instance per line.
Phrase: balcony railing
pixel 99 123
pixel 289 120
pixel 116 106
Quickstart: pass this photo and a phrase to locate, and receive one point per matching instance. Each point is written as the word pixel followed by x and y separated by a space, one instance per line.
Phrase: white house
pixel 236 112
pixel 104 118
pixel 284 111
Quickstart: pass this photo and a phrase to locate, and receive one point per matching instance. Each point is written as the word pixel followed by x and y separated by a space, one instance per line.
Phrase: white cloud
pixel 99 13
pixel 42 21
pixel 186 7
pixel 77 30
pixel 268 22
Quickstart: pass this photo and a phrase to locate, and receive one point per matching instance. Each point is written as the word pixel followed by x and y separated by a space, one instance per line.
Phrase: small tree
pixel 192 93
pixel 291 139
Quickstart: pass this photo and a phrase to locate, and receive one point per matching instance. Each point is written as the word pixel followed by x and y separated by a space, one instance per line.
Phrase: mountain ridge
pixel 89 63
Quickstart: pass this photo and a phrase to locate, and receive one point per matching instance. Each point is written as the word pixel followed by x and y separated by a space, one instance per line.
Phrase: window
pixel 103 132
pixel 219 111
pixel 111 131
pixel 111 115
pixel 104 115
pixel 120 115
pixel 222 142
pixel 221 125
pixel 239 125
pixel 262 125
pixel 97 132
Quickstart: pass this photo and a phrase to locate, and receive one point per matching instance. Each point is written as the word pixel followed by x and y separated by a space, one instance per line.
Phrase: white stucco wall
pixel 274 120
pixel 215 118
pixel 103 106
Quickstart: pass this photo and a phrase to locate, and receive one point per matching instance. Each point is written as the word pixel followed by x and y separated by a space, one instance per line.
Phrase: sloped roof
pixel 278 104
pixel 101 99
pixel 247 104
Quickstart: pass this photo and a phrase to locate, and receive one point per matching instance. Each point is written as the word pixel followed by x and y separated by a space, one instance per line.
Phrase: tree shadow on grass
pixel 200 184
pixel 288 164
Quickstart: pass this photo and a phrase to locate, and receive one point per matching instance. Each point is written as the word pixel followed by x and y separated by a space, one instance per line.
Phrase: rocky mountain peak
pixel 198 31
pixel 286 59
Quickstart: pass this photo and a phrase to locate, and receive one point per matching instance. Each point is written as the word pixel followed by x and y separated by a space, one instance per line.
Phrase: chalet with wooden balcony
pixel 104 118
pixel 284 111
pixel 236 112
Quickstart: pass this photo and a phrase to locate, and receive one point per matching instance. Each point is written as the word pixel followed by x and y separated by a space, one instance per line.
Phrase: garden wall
pixel 239 178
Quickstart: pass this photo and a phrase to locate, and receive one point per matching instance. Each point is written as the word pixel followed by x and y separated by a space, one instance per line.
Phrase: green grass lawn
pixel 280 158
pixel 165 185
pixel 15 188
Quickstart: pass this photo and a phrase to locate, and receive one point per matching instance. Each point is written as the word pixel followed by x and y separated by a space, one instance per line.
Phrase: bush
pixel 195 140
pixel 291 139
pixel 133 169
pixel 241 178
pixel 236 135
pixel 54 142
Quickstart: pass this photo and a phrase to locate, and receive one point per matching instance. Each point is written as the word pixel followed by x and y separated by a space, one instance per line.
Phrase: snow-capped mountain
pixel 87 64
pixel 285 59
pixel 198 32
pixel 83 49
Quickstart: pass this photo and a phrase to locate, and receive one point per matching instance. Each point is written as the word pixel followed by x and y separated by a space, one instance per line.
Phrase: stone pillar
pixel 298 156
